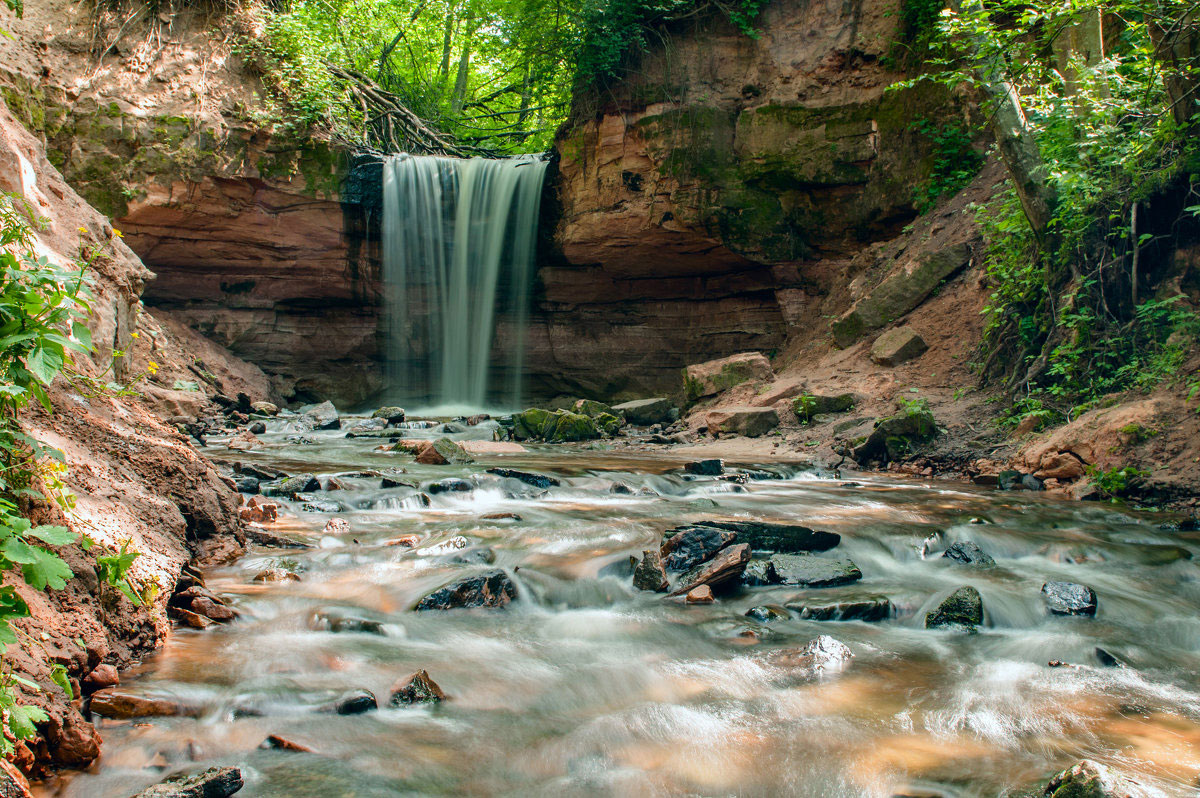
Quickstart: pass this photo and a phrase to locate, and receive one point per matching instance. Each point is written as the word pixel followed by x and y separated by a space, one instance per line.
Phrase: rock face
pixel 897 346
pixel 962 608
pixel 714 376
pixel 1069 598
pixel 490 589
pixel 751 422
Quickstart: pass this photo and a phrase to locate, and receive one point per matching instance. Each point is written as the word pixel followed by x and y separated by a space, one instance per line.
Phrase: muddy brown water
pixel 584 686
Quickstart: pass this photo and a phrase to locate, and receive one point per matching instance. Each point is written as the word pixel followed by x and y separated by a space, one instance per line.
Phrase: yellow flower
pixel 117 233
pixel 83 229
pixel 134 335
pixel 152 367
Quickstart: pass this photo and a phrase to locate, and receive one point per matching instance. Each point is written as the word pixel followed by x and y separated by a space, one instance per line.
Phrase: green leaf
pixel 53 535
pixel 40 568
pixel 58 675
pixel 22 721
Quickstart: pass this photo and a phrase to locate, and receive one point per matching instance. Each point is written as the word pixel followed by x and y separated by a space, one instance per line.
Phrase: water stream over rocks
pixel 583 685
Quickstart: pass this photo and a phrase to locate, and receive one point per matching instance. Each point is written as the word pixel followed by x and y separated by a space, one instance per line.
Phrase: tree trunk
pixel 1175 35
pixel 464 66
pixel 447 41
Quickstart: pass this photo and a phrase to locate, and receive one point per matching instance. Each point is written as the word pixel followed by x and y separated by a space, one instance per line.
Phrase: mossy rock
pixel 609 424
pixel 897 436
pixel 963 608
pixel 567 426
pixel 807 406
pixel 530 424
pixel 592 408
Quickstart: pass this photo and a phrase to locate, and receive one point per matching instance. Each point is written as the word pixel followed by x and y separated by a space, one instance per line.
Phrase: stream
pixel 585 686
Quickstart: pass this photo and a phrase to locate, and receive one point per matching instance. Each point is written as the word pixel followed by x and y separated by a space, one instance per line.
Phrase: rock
pixel 694 545
pixel 443 451
pixel 247 485
pixel 897 436
pixel 609 424
pixel 705 468
pixel 1089 779
pixel 1069 598
pixel 727 565
pixel 301 483
pixel 808 406
pixel 212 783
pixel 390 414
pixel 478 418
pixel 259 513
pixel 321 507
pixel 620 568
pixel 963 608
pixel 809 571
pixel 650 573
pixel 819 654
pixel 567 427
pixel 213 610
pixel 244 441
pixel 408 541
pixel 492 447
pixel 1015 480
pixel 592 408
pixel 337 526
pixel 759 573
pixel 767 613
pixel 386 482
pixel 356 702
pixel 257 428
pixel 101 677
pixel 715 376
pixel 452 485
pixel 344 622
pixel 488 589
pixel 968 553
pixel 480 555
pixel 322 416
pixel 700 595
pixel 191 619
pixel 417 689
pixel 277 743
pixel 784 538
pixel 114 703
pixel 536 480
pixel 13 783
pixel 501 516
pixel 750 422
pixel 264 538
pixel 266 408
pixel 897 346
pixel 367 425
pixel 644 412
pixel 872 608
pixel 530 424
pixel 1107 659
pixel 276 575
pixel 901 291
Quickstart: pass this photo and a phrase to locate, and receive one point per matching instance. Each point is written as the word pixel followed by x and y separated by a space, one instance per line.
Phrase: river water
pixel 585 686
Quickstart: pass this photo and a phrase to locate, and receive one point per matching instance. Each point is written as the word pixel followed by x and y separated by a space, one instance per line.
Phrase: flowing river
pixel 586 686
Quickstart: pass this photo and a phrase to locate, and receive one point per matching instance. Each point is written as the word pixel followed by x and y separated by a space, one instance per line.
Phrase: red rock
pixel 13 783
pixel 114 703
pixel 284 744
pixel 212 609
pixel 276 575
pixel 73 741
pixel 729 564
pixel 244 441
pixel 337 526
pixel 102 676
pixel 408 541
pixel 700 595
pixel 192 619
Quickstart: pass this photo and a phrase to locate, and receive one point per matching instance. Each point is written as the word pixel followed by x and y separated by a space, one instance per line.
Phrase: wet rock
pixel 261 474
pixel 450 428
pixel 750 422
pixel 443 451
pixel 321 507
pixel 277 743
pixel 101 677
pixel 191 619
pixel 112 702
pixel 257 513
pixel 337 526
pixel 962 608
pixel 322 416
pixel 767 613
pixel 489 589
pixel 264 537
pixel 650 573
pixel 449 486
pixel 968 553
pixel 342 622
pixel 700 595
pixel 621 489
pixel 1107 659
pixel 356 702
pixel 897 436
pixel 726 566
pixel 301 483
pixel 705 468
pixel 737 479
pixel 819 654
pixel 213 610
pixel 644 412
pixel 481 555
pixel 694 545
pixel 714 376
pixel 244 441
pixel 759 573
pixel 536 480
pixel 782 538
pixel 407 541
pixel 809 571
pixel 500 517
pixel 1161 555
pixel 1069 598
pixel 276 575
pixel 212 783
pixel 417 689
pixel 897 346
pixel 300 440
pixel 620 568
pixel 477 419
pixel 390 414
pixel 247 485
pixel 395 482
pixel 367 425
pixel 1089 779
pixel 266 408
pixel 13 783
pixel 1015 480
pixel 570 427
pixel 873 608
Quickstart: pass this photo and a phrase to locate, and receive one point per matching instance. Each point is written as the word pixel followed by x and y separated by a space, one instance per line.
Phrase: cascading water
pixel 458 244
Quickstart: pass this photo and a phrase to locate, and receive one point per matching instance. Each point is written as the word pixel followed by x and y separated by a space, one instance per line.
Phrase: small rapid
pixel 584 685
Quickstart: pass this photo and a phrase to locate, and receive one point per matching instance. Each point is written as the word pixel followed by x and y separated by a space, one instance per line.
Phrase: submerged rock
pixel 726 566
pixel 963 608
pixel 783 538
pixel 1089 779
pixel 277 743
pixel 819 654
pixel 452 485
pixel 322 416
pixel 650 573
pixel 694 545
pixel 488 589
pixel 705 468
pixel 212 783
pixel 871 608
pixel 1069 598
pixel 112 702
pixel 536 480
pixel 345 623
pixel 809 571
pixel 417 689
pixel 644 412
pixel 356 702
pixel 968 553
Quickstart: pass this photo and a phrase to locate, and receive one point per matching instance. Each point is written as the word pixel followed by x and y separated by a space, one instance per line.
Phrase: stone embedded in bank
pixel 750 422
pixel 644 412
pixel 897 346
pixel 714 376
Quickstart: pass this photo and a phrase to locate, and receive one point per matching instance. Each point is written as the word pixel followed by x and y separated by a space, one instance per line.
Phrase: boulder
pixel 898 435
pixel 566 427
pixel 783 538
pixel 536 480
pixel 488 589
pixel 807 406
pixel 112 702
pixel 244 441
pixel 962 608
pixel 592 408
pixel 649 574
pixel 726 566
pixel 1015 480
pixel 901 291
pixel 897 346
pixel 530 424
pixel 1069 598
pixel 644 412
pixel 705 468
pixel 452 485
pixel 266 408
pixel 101 677
pixel 443 451
pixel 809 571
pixel 694 545
pixel 700 595
pixel 967 553
pixel 759 573
pixel 417 689
pixel 322 416
pixel 867 608
pixel 1089 779
pixel 750 422
pixel 608 423
pixel 714 376
pixel 301 483
pixel 390 414
pixel 212 783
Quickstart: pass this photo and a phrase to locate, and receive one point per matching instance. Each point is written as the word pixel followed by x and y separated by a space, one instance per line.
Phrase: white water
pixel 458 243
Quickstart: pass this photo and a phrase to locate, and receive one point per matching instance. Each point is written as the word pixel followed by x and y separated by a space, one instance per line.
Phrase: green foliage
pixel 805 407
pixel 955 162
pixel 113 570
pixel 1116 482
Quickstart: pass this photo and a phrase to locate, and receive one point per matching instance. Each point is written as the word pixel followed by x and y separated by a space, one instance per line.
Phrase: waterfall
pixel 458 245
